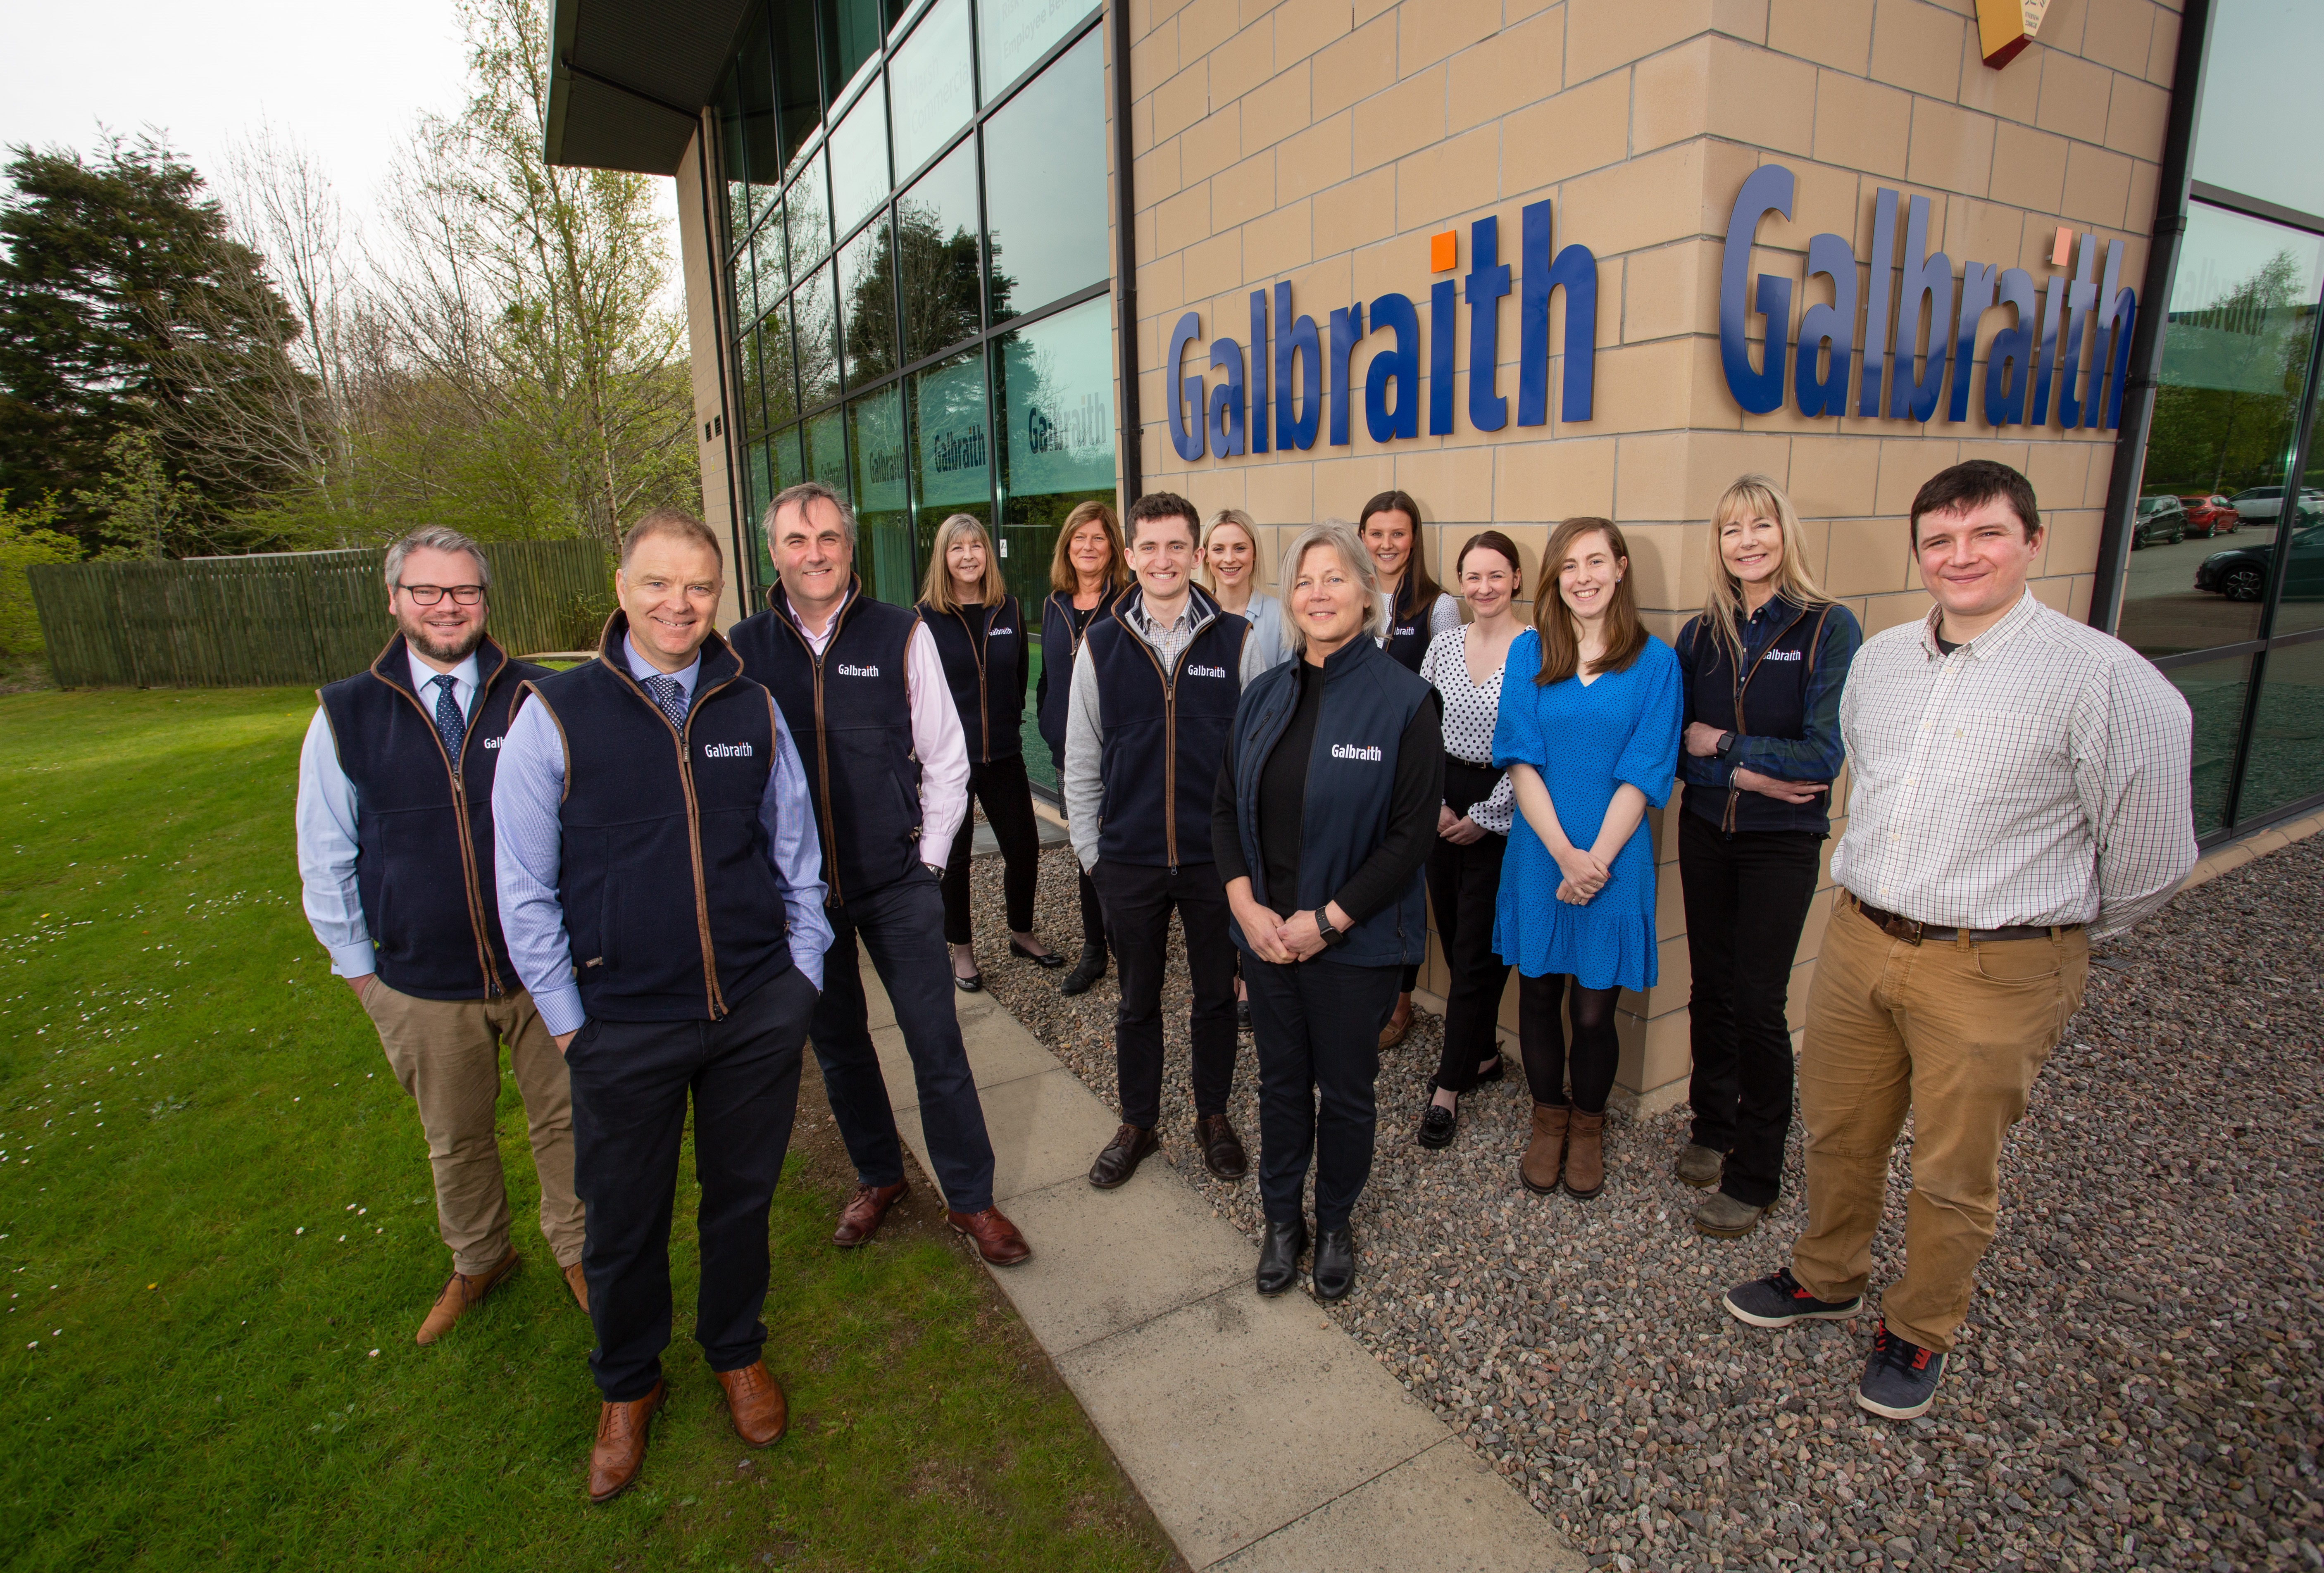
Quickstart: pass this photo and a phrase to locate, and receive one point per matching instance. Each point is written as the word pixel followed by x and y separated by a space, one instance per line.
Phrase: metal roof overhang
pixel 628 80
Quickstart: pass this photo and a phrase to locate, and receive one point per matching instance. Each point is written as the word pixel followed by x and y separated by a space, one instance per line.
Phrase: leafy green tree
pixel 145 512
pixel 25 541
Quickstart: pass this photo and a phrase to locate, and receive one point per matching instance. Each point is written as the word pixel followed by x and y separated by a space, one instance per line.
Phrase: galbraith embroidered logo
pixel 847 671
pixel 1355 752
pixel 492 743
pixel 1786 656
pixel 726 751
pixel 1206 671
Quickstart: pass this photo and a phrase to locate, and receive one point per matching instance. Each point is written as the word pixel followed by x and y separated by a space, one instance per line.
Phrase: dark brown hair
pixel 1062 575
pixel 1491 540
pixel 1560 647
pixel 1164 505
pixel 1418 588
pixel 1972 485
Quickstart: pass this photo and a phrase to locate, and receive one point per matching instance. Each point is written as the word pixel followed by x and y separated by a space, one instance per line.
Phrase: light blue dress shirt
pixel 326 819
pixel 528 854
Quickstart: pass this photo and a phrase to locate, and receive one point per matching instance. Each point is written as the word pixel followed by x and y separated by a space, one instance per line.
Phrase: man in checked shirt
pixel 2021 783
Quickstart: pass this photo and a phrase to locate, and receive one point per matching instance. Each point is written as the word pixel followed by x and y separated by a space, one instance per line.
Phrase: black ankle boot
pixel 1086 971
pixel 1335 1263
pixel 1279 1255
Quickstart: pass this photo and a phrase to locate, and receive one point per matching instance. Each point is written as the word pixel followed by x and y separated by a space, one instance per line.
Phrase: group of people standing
pixel 650 876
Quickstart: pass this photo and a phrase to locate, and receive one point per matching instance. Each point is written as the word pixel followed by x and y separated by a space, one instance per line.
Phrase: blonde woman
pixel 979 631
pixel 1763 665
pixel 1230 571
pixel 1086 571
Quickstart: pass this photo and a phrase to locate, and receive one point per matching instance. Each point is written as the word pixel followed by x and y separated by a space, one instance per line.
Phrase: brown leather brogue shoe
pixel 755 1403
pixel 860 1218
pixel 1120 1158
pixel 1222 1152
pixel 997 1239
pixel 1585 1155
pixel 579 1285
pixel 1544 1154
pixel 620 1445
pixel 460 1294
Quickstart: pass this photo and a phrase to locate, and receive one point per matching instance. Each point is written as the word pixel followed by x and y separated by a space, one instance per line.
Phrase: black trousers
pixel 1746 899
pixel 631 1082
pixel 1007 798
pixel 1139 900
pixel 1317 1024
pixel 898 924
pixel 1463 884
pixel 1093 907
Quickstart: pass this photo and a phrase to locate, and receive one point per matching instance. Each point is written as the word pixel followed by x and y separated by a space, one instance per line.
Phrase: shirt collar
pixel 463 676
pixel 640 668
pixel 2012 623
pixel 791 611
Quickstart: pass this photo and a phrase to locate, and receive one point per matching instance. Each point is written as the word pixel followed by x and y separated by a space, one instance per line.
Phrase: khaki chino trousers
pixel 1953 1033
pixel 447 1055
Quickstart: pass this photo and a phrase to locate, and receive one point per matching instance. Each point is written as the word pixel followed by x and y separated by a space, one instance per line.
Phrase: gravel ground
pixel 2138 1384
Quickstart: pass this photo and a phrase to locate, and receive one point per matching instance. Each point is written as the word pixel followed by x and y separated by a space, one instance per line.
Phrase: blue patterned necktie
pixel 669 695
pixel 451 725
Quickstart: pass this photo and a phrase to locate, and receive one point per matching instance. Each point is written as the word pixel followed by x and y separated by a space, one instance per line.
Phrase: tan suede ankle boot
pixel 1542 1154
pixel 1585 1155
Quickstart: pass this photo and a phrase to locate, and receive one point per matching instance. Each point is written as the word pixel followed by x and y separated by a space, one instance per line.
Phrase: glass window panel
pixel 867 286
pixel 2302 606
pixel 750 362
pixel 734 159
pixel 851 31
pixel 2214 690
pixel 798 81
pixel 807 217
pixel 1011 34
pixel 767 256
pixel 1056 405
pixel 783 469
pixel 938 265
pixel 1045 185
pixel 754 70
pixel 2235 358
pixel 884 520
pixel 2259 61
pixel 778 367
pixel 859 160
pixel 741 288
pixel 951 454
pixel 930 85
pixel 2286 758
pixel 825 437
pixel 758 480
pixel 815 331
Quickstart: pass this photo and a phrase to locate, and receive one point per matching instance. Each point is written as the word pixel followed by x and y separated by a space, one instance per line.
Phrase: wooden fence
pixel 287 617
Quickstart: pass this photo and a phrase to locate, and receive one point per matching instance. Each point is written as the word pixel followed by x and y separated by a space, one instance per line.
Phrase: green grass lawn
pixel 216 1237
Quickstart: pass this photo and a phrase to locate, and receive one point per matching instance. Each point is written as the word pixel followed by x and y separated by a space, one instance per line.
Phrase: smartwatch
pixel 1726 744
pixel 1331 936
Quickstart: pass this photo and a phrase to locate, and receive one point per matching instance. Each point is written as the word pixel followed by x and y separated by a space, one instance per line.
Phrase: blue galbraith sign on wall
pixel 1898 356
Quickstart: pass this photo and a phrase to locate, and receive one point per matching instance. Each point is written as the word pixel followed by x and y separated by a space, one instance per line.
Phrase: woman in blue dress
pixel 1588 732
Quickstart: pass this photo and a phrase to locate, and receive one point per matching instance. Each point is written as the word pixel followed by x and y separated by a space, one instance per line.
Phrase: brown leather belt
pixel 1913 933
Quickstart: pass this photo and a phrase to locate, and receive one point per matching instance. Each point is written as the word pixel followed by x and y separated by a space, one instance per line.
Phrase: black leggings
pixel 1541 1038
pixel 1001 786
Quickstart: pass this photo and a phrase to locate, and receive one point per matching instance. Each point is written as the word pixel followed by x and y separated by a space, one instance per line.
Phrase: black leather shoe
pixel 1437 1123
pixel 1279 1255
pixel 1499 1071
pixel 1242 1015
pixel 1086 971
pixel 1335 1263
pixel 1121 1156
pixel 1223 1152
pixel 970 984
pixel 1039 958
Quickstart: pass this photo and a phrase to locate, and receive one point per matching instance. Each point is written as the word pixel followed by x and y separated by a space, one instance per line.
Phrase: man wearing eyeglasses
pixel 395 852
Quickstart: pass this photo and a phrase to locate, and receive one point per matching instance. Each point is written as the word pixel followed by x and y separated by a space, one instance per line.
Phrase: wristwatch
pixel 1726 744
pixel 1331 936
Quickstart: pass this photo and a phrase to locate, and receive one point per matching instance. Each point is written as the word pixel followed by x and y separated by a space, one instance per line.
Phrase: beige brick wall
pixel 1322 143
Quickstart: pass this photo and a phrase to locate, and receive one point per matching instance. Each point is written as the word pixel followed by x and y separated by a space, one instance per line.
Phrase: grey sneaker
pixel 1777 1300
pixel 1723 1217
pixel 1700 1167
pixel 1900 1378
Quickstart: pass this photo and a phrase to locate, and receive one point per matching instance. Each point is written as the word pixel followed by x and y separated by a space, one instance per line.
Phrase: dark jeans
pixel 1137 902
pixel 1463 884
pixel 1746 899
pixel 1541 1039
pixel 1007 799
pixel 630 1081
pixel 1317 1024
pixel 1092 908
pixel 901 924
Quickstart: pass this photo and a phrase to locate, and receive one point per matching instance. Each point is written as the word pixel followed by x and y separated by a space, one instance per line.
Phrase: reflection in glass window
pixel 929 85
pixel 733 155
pixel 807 217
pixel 2234 360
pixel 754 70
pixel 767 258
pixel 797 87
pixel 1011 34
pixel 1056 407
pixel 867 294
pixel 2260 59
pixel 2214 690
pixel 852 32
pixel 778 373
pixel 783 469
pixel 2286 761
pixel 758 480
pixel 814 330
pixel 750 412
pixel 937 262
pixel 2302 606
pixel 1045 184
pixel 952 455
pixel 859 160
pixel 825 437
pixel 743 290
pixel 883 522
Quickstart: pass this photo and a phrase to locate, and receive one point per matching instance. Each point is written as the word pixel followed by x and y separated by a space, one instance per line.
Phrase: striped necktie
pixel 669 697
pixel 451 725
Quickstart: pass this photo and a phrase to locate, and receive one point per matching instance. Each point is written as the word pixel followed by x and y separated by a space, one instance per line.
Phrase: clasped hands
pixel 1585 875
pixel 1279 940
pixel 1703 742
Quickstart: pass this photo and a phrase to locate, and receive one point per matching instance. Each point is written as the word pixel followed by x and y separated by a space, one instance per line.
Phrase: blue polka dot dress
pixel 1621 729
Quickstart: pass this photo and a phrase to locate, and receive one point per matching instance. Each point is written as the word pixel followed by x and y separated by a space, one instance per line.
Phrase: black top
pixel 1282 802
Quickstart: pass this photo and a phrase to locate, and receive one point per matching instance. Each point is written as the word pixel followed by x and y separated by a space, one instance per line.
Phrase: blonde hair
pixel 1341 537
pixel 937 592
pixel 1250 528
pixel 1722 599
pixel 1062 575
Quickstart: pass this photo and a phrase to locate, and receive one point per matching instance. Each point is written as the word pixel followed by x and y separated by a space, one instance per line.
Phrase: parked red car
pixel 2211 515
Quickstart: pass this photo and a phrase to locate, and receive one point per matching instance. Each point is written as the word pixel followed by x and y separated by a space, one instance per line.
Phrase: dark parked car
pixel 2212 515
pixel 2158 519
pixel 2241 574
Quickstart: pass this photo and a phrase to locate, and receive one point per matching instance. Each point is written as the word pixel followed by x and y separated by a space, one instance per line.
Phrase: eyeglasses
pixel 429 594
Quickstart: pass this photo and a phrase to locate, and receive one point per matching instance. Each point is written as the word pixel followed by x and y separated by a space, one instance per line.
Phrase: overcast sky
pixel 349 81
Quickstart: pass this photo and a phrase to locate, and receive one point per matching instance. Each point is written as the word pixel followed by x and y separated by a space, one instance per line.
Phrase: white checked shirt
pixel 2037 775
